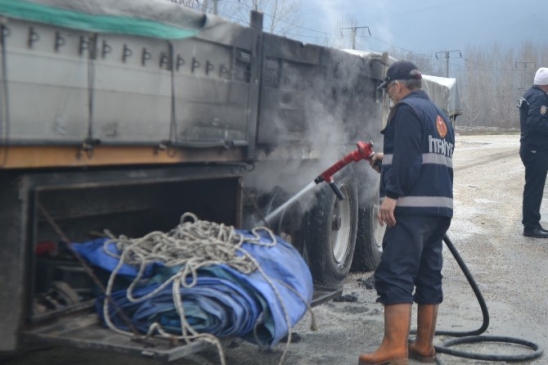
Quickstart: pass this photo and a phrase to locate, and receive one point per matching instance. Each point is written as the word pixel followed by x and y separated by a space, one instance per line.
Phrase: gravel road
pixel 510 269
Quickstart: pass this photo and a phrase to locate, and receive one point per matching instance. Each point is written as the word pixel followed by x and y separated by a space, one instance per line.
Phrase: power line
pixel 354 31
pixel 447 55
pixel 242 20
pixel 485 67
pixel 403 49
pixel 371 37
pixel 321 31
pixel 316 30
pixel 324 36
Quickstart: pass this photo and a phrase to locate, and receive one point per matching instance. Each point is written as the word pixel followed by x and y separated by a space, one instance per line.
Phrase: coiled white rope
pixel 192 244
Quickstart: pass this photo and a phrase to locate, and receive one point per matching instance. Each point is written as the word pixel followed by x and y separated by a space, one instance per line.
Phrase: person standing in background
pixel 417 206
pixel 533 117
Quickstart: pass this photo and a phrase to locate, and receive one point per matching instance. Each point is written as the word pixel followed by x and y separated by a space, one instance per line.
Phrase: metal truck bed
pixel 85 331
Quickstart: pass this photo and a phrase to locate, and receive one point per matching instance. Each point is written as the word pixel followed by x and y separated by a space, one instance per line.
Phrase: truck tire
pixel 368 250
pixel 330 229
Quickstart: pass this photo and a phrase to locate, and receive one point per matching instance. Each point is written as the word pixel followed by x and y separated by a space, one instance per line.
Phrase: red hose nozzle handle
pixel 364 152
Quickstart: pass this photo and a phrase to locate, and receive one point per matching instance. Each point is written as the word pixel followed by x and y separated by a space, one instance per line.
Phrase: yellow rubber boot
pixel 423 347
pixel 393 348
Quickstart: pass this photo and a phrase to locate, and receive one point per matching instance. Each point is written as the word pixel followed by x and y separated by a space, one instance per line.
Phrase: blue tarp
pixel 223 302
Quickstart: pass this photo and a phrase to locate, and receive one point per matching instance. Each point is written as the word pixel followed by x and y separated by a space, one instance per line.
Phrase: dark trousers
pixel 412 259
pixel 536 167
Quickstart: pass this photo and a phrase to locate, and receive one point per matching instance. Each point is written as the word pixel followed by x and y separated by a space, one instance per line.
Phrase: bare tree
pixel 423 62
pixel 280 16
pixel 194 4
pixel 503 106
pixel 492 83
pixel 474 88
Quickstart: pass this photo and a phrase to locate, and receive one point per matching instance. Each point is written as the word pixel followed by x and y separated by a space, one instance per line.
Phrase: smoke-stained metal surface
pixel 310 92
pixel 229 86
pixel 67 86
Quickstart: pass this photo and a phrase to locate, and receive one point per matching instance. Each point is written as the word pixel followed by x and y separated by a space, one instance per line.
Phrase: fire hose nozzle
pixel 367 150
pixel 363 152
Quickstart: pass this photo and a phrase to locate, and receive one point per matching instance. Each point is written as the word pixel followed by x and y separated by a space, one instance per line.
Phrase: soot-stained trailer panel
pixel 309 92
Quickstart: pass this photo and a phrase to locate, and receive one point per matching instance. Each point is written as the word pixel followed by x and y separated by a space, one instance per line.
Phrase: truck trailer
pixel 124 115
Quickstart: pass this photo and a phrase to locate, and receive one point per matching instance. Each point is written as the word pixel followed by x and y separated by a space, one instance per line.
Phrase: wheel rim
pixel 341 225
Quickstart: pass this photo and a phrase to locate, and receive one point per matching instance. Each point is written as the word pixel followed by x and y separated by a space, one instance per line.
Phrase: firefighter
pixel 417 207
pixel 533 151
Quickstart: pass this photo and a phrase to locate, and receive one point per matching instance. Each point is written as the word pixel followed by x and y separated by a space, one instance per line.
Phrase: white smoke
pixel 330 16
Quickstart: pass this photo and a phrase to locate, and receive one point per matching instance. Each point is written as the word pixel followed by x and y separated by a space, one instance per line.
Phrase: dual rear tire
pixel 344 235
pixel 334 236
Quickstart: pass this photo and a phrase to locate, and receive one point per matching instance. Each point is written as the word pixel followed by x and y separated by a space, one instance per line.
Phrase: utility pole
pixel 215 6
pixel 447 54
pixel 354 32
pixel 524 66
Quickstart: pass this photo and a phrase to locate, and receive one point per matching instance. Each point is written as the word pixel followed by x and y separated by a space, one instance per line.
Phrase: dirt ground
pixel 510 270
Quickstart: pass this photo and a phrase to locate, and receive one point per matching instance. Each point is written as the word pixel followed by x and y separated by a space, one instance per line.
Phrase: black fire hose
pixel 474 336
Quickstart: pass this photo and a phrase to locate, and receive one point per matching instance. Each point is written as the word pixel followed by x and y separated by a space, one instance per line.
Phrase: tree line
pixel 491 79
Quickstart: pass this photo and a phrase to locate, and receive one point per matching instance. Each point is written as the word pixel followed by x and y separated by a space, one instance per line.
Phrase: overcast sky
pixel 426 26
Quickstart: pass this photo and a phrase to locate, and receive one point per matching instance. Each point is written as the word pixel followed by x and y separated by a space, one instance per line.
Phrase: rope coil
pixel 191 245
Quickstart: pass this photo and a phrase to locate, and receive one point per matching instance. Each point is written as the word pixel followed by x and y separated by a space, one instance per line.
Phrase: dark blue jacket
pixel 533 118
pixel 417 168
